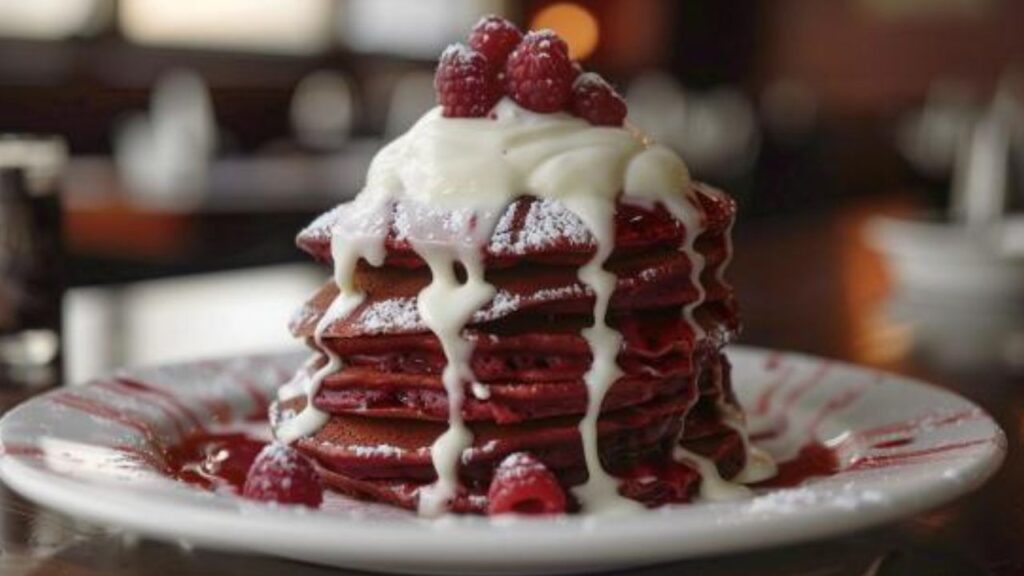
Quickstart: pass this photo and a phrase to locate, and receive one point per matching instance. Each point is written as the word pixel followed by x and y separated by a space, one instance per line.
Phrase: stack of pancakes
pixel 387 404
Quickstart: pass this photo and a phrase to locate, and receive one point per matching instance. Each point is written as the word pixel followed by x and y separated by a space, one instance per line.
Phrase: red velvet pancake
pixel 523 375
pixel 651 484
pixel 634 445
pixel 376 456
pixel 388 404
pixel 544 231
pixel 652 281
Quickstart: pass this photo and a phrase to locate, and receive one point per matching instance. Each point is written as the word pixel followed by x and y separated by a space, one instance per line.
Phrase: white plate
pixel 904 446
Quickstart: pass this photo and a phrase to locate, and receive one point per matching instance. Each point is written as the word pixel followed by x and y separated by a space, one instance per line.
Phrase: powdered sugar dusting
pixel 378 451
pixel 548 223
pixel 590 80
pixel 304 314
pixel 519 465
pixel 280 457
pixel 397 315
pixel 488 23
pixel 488 448
pixel 503 304
pixel 459 54
pixel 393 315
pixel 362 221
pixel 319 230
pixel 546 35
pixel 427 223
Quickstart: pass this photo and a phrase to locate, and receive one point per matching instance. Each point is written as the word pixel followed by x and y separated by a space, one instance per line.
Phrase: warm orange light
pixel 572 22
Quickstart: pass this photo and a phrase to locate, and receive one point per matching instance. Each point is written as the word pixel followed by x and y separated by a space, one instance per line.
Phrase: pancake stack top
pixel 527 309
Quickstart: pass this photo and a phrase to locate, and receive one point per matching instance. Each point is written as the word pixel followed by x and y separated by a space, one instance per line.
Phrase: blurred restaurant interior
pixel 201 136
pixel 158 157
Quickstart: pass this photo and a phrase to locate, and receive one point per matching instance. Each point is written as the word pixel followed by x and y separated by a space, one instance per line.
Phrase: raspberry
pixel 539 74
pixel 596 101
pixel 522 485
pixel 280 474
pixel 495 38
pixel 466 85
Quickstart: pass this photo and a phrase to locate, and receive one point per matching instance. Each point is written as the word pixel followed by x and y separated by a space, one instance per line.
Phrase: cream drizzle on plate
pixel 455 177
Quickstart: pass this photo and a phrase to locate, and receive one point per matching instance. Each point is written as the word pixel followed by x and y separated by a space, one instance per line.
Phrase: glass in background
pixel 31 283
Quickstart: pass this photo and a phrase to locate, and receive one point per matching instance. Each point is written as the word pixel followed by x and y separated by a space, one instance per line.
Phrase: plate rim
pixel 546 541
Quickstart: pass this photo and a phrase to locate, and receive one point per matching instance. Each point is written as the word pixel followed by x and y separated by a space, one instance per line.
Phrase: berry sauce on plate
pixel 215 460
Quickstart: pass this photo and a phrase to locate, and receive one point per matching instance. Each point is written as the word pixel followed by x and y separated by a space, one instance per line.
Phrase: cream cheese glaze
pixel 455 177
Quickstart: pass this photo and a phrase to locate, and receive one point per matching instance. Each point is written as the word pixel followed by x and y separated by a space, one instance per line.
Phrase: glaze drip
pixel 600 494
pixel 446 305
pixel 346 253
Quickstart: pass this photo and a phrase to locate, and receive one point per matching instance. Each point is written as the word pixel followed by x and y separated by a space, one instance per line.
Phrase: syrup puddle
pixel 814 460
pixel 217 460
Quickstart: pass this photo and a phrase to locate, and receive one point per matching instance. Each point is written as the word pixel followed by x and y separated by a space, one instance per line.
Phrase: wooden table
pixel 807 283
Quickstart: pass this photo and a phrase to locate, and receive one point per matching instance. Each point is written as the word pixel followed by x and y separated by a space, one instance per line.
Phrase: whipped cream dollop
pixel 455 177
pixel 484 163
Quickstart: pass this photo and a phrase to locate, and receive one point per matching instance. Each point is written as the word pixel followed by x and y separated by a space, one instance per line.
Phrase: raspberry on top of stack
pixel 533 70
pixel 528 307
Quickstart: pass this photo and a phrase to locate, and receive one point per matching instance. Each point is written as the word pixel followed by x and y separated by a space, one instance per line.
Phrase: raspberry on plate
pixel 539 73
pixel 495 38
pixel 594 100
pixel 280 474
pixel 466 85
pixel 523 485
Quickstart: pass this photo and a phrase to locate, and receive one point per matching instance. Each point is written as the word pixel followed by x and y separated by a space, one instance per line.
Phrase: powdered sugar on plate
pixel 794 500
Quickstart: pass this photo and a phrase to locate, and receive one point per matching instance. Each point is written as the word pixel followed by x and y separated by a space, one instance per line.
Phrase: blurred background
pixel 874 145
